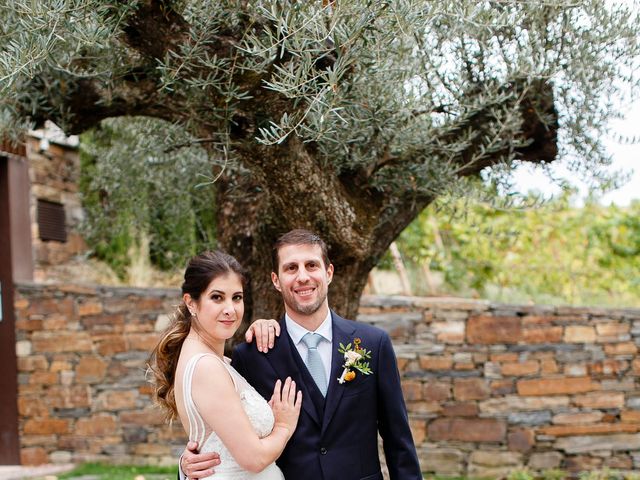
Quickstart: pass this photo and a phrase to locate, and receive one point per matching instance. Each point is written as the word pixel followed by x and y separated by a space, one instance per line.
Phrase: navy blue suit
pixel 337 437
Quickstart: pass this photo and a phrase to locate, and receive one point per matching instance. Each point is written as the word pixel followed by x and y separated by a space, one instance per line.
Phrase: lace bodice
pixel 257 409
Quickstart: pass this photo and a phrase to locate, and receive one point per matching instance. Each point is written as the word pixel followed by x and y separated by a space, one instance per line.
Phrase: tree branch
pixel 85 102
pixel 536 140
pixel 154 29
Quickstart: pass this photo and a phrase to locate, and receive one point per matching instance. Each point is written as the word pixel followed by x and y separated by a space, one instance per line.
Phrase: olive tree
pixel 347 118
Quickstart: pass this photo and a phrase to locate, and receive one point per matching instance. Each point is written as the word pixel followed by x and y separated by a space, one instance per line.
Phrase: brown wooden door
pixel 9 441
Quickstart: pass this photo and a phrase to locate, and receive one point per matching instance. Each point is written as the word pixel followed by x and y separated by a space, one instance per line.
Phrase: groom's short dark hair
pixel 298 236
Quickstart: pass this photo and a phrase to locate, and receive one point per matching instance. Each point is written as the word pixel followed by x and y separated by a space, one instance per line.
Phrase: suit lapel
pixel 282 359
pixel 343 331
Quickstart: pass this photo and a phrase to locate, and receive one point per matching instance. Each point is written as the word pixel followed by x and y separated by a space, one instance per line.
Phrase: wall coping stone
pixel 445 302
pixel 121 291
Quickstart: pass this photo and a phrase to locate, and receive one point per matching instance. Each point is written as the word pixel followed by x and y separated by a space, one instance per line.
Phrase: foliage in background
pixel 142 200
pixel 555 254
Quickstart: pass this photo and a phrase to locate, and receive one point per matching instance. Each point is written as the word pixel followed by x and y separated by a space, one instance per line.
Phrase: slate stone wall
pixel 489 388
pixel 83 395
pixel 54 175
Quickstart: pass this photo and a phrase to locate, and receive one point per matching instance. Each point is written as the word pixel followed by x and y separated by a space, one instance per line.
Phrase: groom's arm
pixel 393 421
pixel 194 465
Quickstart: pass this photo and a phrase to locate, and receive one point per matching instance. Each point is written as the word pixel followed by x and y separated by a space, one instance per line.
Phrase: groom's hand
pixel 198 465
pixel 265 333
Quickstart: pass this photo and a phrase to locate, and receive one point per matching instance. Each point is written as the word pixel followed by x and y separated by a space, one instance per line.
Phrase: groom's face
pixel 302 278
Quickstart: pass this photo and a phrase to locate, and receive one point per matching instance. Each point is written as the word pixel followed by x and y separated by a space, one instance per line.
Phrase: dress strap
pixel 197 426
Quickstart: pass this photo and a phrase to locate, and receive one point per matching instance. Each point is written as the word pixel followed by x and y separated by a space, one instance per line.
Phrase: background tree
pixel 347 118
pixel 142 202
pixel 553 254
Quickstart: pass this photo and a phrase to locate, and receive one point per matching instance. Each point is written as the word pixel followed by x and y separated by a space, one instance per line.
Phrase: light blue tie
pixel 314 362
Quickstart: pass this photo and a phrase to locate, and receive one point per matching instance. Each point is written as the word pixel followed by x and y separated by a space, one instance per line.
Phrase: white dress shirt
pixel 325 330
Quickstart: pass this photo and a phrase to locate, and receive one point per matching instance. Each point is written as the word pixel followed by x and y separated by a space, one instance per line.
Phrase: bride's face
pixel 221 306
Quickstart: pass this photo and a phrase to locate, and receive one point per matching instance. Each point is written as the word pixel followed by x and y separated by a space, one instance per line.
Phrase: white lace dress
pixel 259 413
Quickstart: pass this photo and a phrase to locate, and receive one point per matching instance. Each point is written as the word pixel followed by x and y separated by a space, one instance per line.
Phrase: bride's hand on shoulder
pixel 265 332
pixel 285 403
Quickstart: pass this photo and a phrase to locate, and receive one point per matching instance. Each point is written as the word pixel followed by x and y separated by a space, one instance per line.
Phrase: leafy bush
pixel 556 253
pixel 136 191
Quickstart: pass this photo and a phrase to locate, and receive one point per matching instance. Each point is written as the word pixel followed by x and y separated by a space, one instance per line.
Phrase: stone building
pixel 39 211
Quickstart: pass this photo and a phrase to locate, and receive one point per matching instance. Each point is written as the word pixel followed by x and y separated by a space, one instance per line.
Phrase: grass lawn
pixel 128 472
pixel 121 472
pixel 99 471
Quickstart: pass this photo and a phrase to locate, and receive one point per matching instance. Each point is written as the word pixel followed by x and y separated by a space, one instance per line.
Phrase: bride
pixel 193 380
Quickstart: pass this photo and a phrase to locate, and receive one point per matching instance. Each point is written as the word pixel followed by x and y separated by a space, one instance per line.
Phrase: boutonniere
pixel 354 359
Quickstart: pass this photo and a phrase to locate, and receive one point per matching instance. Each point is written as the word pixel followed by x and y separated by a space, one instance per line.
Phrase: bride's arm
pixel 219 404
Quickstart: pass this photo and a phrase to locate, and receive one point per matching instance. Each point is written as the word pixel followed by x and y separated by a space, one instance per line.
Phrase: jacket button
pixel 323 451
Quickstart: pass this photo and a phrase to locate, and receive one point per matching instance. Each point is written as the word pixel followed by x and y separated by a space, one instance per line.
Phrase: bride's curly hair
pixel 200 272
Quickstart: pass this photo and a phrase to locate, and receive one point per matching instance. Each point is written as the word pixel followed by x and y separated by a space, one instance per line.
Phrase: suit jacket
pixel 337 437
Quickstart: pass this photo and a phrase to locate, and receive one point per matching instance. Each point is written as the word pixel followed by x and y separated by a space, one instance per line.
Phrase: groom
pixel 337 433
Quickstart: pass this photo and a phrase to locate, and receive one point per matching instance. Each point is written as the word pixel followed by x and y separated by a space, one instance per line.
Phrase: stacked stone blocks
pixel 83 395
pixel 54 175
pixel 489 388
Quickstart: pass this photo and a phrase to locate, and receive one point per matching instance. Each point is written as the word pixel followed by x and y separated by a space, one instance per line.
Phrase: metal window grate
pixel 51 221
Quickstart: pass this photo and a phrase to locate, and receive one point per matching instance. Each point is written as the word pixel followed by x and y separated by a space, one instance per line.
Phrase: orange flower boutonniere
pixel 354 359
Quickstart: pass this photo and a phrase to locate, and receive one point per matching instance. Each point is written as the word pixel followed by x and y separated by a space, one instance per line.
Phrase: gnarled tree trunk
pixel 287 188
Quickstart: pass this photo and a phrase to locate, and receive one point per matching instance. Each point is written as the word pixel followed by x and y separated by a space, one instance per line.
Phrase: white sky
pixel 626 157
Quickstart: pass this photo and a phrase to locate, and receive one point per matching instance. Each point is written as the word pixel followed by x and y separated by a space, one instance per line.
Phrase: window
pixel 51 221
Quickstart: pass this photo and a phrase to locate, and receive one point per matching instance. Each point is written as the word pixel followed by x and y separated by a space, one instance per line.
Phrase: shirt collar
pixel 296 331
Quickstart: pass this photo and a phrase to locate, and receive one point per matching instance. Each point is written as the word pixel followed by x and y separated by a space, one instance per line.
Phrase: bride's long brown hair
pixel 200 272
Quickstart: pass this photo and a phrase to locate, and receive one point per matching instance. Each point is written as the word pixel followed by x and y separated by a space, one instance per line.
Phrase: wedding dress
pixel 257 409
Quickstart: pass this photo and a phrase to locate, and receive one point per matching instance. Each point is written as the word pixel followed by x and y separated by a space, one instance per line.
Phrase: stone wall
pixel 489 388
pixel 83 396
pixel 54 173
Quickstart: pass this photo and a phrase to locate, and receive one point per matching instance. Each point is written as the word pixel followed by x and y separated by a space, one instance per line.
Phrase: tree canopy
pixel 347 118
